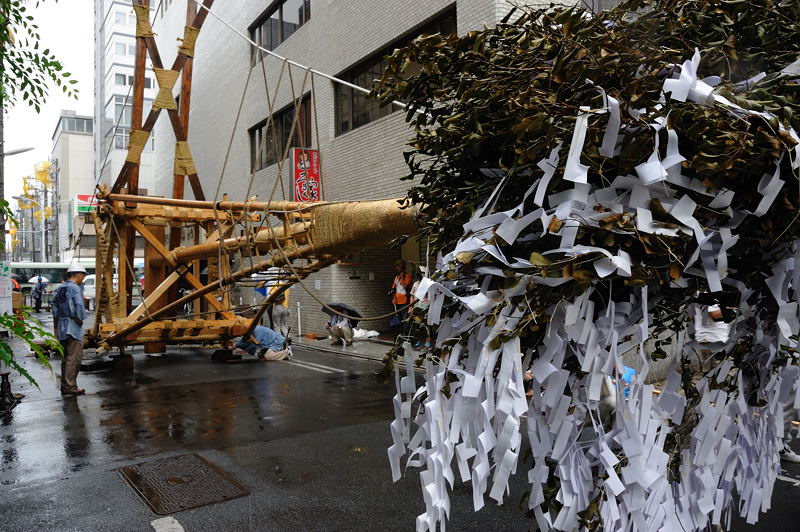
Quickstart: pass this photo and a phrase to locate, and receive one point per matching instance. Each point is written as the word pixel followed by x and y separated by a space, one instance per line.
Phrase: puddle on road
pixel 139 415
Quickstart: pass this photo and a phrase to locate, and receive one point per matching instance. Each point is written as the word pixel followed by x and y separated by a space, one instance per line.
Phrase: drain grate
pixel 181 482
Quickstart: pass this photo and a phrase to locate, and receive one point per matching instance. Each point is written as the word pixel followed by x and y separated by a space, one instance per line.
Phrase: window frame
pixel 255 29
pixel 361 110
pixel 282 119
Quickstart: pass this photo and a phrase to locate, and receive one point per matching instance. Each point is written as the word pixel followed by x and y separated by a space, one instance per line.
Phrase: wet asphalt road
pixel 308 438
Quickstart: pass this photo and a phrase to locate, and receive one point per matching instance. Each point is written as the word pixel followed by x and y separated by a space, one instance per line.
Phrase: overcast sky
pixel 66 27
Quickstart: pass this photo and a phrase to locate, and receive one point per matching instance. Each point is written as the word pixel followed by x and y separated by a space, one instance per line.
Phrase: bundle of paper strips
pixel 586 271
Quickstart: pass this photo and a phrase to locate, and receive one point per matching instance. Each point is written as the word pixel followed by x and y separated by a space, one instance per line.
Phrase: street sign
pixel 85 203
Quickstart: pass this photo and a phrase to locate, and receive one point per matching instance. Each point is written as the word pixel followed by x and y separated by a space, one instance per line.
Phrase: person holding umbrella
pixel 340 328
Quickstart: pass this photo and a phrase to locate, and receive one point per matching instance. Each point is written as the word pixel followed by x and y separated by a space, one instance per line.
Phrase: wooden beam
pixel 234 206
pixel 126 277
pixel 153 296
pixel 172 214
pixel 179 324
pixel 119 336
pixel 158 246
pixel 177 65
pixel 154 275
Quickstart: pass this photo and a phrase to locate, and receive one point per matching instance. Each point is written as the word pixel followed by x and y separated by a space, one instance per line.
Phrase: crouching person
pixel 339 330
pixel 265 343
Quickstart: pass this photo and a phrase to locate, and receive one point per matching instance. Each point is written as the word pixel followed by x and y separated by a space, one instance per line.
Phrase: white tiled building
pixel 361 145
pixel 115 46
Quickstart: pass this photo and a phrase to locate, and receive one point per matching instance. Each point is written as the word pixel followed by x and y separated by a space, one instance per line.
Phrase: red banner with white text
pixel 306 179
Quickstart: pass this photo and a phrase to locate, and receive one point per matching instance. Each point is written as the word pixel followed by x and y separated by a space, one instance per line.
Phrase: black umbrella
pixel 344 309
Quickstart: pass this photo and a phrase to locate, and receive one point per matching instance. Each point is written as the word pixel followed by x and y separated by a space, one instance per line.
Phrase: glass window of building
pixel 120 18
pixel 119 79
pixel 120 48
pixel 276 24
pixel 131 49
pixel 354 108
pixel 122 114
pixel 121 138
pixel 268 140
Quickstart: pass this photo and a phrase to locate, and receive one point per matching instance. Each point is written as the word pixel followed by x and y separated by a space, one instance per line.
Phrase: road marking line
pixel 321 366
pixel 167 524
pixel 301 365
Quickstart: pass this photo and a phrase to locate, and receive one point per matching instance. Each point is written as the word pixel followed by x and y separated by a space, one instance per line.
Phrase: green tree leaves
pixel 26 71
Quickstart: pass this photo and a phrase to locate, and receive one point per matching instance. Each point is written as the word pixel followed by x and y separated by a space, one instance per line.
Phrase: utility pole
pixel 2 162
pixel 43 223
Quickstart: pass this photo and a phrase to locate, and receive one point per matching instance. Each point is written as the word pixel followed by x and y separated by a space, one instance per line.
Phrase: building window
pixel 120 48
pixel 121 138
pixel 122 79
pixel 267 146
pixel 122 114
pixel 75 125
pixel 120 18
pixel 131 49
pixel 278 23
pixel 353 108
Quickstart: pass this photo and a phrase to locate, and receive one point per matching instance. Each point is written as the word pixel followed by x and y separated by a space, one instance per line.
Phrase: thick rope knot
pixel 190 34
pixel 166 81
pixel 138 139
pixel 143 27
pixel 184 163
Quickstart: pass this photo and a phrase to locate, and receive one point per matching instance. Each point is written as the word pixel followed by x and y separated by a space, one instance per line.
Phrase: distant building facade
pixel 361 145
pixel 115 46
pixel 71 171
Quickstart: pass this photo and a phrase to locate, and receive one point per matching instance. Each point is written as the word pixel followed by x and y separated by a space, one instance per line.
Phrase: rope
pixel 281 58
pixel 325 305
pixel 217 223
pixel 316 133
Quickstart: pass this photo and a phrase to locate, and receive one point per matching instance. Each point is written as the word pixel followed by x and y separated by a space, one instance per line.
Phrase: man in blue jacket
pixel 265 343
pixel 68 316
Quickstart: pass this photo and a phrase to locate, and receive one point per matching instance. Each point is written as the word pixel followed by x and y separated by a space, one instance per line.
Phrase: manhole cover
pixel 181 482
